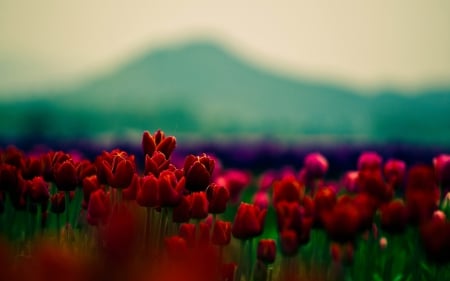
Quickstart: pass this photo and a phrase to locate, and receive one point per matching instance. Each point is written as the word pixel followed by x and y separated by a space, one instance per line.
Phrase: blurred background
pixel 303 72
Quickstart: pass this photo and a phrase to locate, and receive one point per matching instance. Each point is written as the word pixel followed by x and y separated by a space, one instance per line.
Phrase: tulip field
pixel 148 215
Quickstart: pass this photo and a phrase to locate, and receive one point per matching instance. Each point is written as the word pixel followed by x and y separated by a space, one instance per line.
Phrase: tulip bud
pixel 66 178
pixel 248 222
pixel 198 171
pixel 199 205
pixel 383 243
pixel 221 233
pixel 218 197
pixel 267 250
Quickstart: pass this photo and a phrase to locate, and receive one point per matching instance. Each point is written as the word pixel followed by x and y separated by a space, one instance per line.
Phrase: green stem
pixel 242 260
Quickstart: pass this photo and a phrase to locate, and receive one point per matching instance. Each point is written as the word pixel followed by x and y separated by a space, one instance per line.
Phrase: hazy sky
pixel 404 43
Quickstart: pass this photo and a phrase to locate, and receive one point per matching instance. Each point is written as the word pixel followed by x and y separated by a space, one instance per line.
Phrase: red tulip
pixel 148 192
pixel 218 197
pixel 288 189
pixel 198 171
pixel 181 211
pixel 342 223
pixel 199 205
pixel 32 168
pixel 394 172
pixel 90 184
pixel 57 203
pixel 267 250
pixel 394 217
pixel 170 189
pixel 324 201
pixel 65 175
pixel 441 165
pixel 248 222
pixel 156 163
pixel 289 244
pixel 158 142
pixel 261 199
pixel 120 171
pixel 176 247
pixel 221 233
pixel 99 207
pixel 129 193
pixel 9 177
pixel 434 235
pixel 37 189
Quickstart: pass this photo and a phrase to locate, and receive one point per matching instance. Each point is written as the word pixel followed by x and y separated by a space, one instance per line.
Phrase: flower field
pixel 153 214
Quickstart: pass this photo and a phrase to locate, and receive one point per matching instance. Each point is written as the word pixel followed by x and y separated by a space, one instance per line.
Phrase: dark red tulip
pixel 367 207
pixel 148 192
pixel 342 223
pixel 57 203
pixel 289 244
pixel 324 201
pixel 199 205
pixel 156 163
pixel 289 216
pixel 218 197
pixel 121 170
pixel 129 193
pixel 267 250
pixel 65 175
pixel 181 213
pixel 13 156
pixel 90 184
pixel 176 247
pixel 434 235
pixel 84 169
pixel 9 177
pixel 376 188
pixel 189 232
pixel 99 207
pixel 37 189
pixel 394 172
pixel 228 271
pixel 394 217
pixel 248 222
pixel 198 171
pixel 221 233
pixel 170 189
pixel 32 168
pixel 288 189
pixel 158 142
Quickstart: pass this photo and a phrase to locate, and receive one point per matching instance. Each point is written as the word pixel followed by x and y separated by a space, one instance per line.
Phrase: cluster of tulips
pixel 63 217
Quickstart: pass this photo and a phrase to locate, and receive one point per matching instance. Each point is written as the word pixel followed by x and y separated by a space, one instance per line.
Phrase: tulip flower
pixel 99 207
pixel 235 181
pixel 65 175
pixel 156 163
pixel 267 250
pixel 218 197
pixel 158 142
pixel 198 171
pixel 288 189
pixel 394 217
pixel 199 205
pixel 120 171
pixel 148 192
pixel 221 234
pixel 394 172
pixel 248 222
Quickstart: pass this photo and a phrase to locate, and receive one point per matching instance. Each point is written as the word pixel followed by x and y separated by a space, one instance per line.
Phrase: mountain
pixel 200 89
